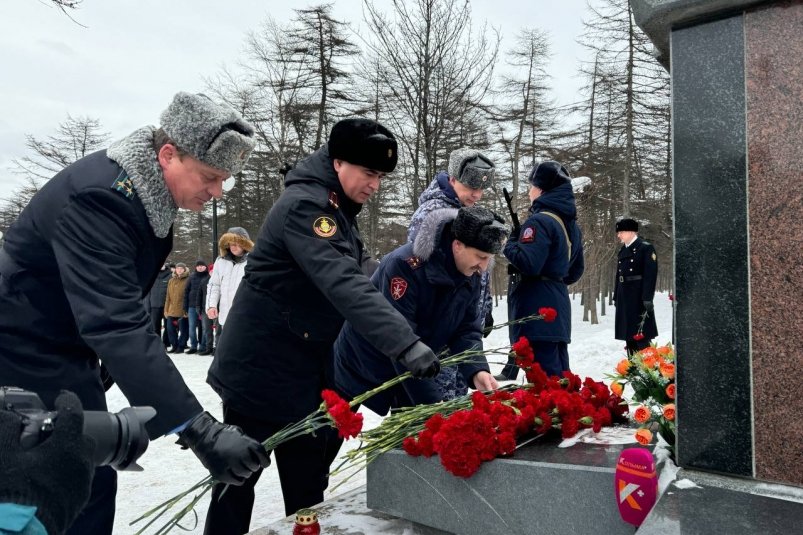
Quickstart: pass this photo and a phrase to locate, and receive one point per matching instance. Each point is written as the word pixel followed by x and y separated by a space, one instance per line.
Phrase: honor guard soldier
pixel 636 275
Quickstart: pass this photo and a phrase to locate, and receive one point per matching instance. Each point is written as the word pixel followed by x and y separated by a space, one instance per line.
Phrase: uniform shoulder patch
pixel 414 262
pixel 527 235
pixel 398 287
pixel 324 226
pixel 124 185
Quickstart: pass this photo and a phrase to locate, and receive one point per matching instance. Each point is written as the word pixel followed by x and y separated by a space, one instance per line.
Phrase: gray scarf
pixel 135 154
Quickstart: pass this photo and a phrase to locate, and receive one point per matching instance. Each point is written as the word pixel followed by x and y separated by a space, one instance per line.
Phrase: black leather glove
pixel 420 360
pixel 488 326
pixel 515 231
pixel 648 306
pixel 230 455
pixel 56 474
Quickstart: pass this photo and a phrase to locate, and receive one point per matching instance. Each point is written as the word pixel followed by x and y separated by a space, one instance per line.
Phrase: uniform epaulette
pixel 414 262
pixel 333 200
pixel 124 185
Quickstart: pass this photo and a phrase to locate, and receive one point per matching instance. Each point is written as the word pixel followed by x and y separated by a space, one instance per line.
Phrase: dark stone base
pixel 542 489
pixel 698 503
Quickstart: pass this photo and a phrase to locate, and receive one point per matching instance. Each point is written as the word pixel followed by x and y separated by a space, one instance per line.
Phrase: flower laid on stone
pixel 650 373
pixel 489 428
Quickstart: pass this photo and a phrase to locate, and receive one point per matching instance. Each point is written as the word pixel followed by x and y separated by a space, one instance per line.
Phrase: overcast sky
pixel 133 55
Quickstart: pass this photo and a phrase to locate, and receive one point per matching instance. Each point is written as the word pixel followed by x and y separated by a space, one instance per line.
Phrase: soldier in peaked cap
pixel 304 278
pixel 77 263
pixel 546 255
pixel 636 275
pixel 435 283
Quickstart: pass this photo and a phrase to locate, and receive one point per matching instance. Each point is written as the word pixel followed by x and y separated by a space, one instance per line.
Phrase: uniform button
pixel 306 335
pixel 631 269
pixel 631 259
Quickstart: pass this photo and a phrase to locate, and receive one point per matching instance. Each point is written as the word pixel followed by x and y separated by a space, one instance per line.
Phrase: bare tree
pixel 436 71
pixel 74 139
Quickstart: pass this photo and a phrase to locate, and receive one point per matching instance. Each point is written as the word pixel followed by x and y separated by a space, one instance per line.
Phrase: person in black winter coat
pixel 636 275
pixel 77 264
pixel 435 282
pixel 545 255
pixel 206 321
pixel 303 279
pixel 156 298
pixel 194 306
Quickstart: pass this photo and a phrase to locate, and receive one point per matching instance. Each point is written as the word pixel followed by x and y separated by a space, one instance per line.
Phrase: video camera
pixel 120 438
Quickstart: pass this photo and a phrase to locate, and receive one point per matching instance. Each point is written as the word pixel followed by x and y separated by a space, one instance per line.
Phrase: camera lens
pixel 120 438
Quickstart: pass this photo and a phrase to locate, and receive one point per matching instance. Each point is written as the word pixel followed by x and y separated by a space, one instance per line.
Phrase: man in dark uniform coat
pixel 546 255
pixel 434 282
pixel 77 264
pixel 303 279
pixel 636 274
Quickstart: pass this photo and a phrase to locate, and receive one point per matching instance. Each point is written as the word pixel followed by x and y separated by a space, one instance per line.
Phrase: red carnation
pixel 638 336
pixel 549 314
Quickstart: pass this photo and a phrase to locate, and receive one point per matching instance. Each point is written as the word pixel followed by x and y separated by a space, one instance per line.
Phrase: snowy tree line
pixel 438 81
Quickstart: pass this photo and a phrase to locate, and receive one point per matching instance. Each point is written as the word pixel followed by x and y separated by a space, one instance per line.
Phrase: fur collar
pixel 429 233
pixel 135 154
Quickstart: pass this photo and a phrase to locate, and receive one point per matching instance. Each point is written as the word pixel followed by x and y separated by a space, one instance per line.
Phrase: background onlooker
pixel 229 269
pixel 156 300
pixel 193 305
pixel 207 323
pixel 174 309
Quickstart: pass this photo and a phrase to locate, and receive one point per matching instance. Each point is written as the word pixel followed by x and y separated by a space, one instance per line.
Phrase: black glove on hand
pixel 230 455
pixel 514 233
pixel 488 326
pixel 648 306
pixel 56 474
pixel 420 360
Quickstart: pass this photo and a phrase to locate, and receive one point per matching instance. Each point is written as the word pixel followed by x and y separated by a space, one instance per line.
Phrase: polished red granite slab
pixel 774 83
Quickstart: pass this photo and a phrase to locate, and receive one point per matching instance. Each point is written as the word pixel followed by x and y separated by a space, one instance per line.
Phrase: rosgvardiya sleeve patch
pixel 398 287
pixel 324 226
pixel 527 235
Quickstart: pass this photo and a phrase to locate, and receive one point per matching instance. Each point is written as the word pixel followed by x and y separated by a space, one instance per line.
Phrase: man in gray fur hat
pixel 469 173
pixel 76 264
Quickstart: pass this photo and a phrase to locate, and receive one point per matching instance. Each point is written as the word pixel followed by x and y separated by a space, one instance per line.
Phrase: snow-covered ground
pixel 169 470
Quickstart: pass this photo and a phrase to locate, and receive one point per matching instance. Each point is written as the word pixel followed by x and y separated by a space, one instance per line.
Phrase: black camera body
pixel 120 438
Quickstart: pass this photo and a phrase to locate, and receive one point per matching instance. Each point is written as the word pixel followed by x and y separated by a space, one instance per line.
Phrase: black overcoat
pixel 636 275
pixel 303 279
pixel 74 271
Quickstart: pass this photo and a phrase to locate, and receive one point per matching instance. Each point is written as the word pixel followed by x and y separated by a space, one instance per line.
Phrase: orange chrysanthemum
pixel 670 390
pixel 617 389
pixel 642 414
pixel 664 350
pixel 668 370
pixel 644 436
pixel 622 367
pixel 669 411
pixel 649 362
pixel 649 352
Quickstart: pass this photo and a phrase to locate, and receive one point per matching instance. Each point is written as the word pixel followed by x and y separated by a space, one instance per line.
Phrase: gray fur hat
pixel 471 168
pixel 213 133
pixel 480 228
